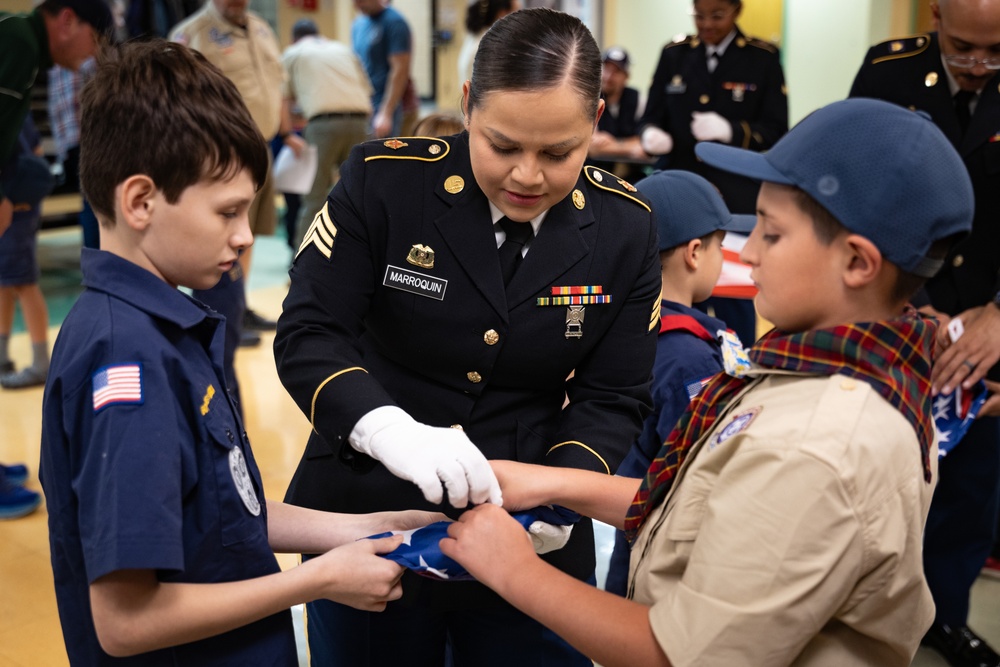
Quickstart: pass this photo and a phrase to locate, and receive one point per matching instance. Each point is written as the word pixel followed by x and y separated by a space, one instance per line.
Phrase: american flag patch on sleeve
pixel 694 388
pixel 115 385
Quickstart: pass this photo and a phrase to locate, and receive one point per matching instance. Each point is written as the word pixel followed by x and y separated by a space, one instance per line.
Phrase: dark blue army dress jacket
pixel 397 298
pixel 909 72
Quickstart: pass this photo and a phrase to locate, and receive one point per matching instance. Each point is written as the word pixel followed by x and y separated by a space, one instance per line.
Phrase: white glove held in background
pixel 655 141
pixel 546 537
pixel 710 126
pixel 428 456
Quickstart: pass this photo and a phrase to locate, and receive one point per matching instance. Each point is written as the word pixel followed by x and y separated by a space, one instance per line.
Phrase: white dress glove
pixel 546 537
pixel 710 126
pixel 428 456
pixel 655 141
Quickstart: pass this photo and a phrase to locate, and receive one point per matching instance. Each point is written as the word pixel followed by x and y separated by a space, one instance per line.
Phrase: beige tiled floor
pixel 29 625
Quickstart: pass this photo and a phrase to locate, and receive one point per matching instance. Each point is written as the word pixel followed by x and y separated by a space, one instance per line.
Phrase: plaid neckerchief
pixel 893 356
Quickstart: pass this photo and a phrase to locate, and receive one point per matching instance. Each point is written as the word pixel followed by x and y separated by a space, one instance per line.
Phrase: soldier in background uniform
pixel 617 130
pixel 721 86
pixel 717 86
pixel 459 282
pixel 952 75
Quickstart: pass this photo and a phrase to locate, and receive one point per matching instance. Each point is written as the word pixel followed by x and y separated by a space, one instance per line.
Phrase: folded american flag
pixel 420 552
pixel 954 414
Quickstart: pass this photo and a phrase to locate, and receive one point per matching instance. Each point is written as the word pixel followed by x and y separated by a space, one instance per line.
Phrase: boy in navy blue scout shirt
pixel 691 220
pixel 781 522
pixel 161 539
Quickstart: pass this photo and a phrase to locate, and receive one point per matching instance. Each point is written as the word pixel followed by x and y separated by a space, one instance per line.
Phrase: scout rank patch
pixel 242 482
pixel 738 424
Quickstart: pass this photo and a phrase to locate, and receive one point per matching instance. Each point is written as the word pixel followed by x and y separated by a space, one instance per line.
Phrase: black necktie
pixel 518 234
pixel 713 62
pixel 962 100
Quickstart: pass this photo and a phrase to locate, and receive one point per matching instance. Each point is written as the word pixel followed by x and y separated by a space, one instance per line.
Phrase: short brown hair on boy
pixel 827 228
pixel 160 109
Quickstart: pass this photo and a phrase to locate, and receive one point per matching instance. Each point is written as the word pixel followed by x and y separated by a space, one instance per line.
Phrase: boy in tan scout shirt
pixel 781 522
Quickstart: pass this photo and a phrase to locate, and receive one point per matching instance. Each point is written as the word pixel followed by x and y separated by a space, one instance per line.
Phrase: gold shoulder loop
pixel 605 180
pixel 422 149
pixel 682 39
pixel 903 47
pixel 762 44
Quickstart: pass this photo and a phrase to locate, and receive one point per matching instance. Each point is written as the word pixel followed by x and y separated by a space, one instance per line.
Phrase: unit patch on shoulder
pixel 605 180
pixel 422 149
pixel 321 233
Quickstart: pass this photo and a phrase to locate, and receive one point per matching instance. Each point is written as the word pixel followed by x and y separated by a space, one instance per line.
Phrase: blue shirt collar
pixel 109 273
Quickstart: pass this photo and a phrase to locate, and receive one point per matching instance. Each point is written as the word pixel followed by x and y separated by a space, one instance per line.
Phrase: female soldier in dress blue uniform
pixel 418 349
pixel 718 85
pixel 722 86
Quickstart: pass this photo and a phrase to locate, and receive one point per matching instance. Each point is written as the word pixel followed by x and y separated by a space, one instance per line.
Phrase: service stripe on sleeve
pixel 580 444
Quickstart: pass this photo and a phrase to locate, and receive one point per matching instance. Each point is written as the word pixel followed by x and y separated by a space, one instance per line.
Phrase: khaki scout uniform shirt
pixel 793 533
pixel 326 77
pixel 250 58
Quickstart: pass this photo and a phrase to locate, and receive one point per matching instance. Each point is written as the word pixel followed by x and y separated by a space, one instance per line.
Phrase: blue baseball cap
pixel 686 206
pixel 882 171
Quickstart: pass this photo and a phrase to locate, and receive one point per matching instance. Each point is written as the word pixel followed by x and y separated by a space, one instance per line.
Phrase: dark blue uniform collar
pixel 109 273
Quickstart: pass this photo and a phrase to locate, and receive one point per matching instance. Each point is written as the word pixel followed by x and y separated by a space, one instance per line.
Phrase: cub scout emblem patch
pixel 420 284
pixel 395 144
pixel 117 385
pixel 241 479
pixel 422 256
pixel 738 424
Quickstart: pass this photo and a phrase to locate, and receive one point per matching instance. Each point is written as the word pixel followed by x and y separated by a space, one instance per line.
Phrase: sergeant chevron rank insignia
pixel 420 284
pixel 321 233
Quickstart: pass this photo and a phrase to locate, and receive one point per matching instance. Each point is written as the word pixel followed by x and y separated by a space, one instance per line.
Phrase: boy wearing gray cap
pixel 781 522
pixel 691 220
